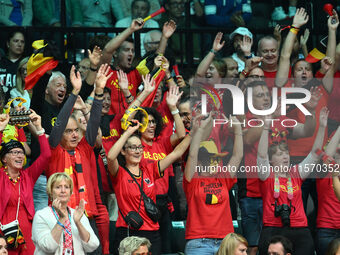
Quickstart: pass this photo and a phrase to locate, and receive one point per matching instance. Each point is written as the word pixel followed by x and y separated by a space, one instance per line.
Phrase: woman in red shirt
pixel 16 186
pixel 207 189
pixel 283 212
pixel 128 192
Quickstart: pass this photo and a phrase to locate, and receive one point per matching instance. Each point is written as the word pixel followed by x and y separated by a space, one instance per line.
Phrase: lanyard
pixel 69 218
pixel 277 188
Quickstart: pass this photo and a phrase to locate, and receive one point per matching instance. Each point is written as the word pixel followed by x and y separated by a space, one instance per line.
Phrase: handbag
pixel 133 219
pixel 12 231
pixel 150 207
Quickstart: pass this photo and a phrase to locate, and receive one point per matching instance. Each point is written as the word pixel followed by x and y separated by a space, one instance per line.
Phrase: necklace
pixel 10 178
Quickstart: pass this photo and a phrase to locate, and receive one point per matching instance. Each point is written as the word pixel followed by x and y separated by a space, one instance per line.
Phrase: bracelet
pixel 86 113
pixel 245 73
pixel 93 69
pixel 175 112
pixel 90 98
pixel 40 132
pixel 99 95
pixel 167 80
pixel 213 51
pixel 128 96
pixel 294 30
pixel 248 57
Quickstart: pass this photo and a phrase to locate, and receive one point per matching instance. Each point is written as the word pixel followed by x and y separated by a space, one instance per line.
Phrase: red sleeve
pixel 21 135
pixel 36 169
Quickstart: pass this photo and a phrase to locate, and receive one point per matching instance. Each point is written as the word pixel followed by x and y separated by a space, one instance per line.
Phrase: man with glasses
pixel 151 40
pixel 83 67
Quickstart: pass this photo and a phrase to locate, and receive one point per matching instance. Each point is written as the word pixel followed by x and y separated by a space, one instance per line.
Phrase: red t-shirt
pixel 270 78
pixel 334 102
pixel 128 194
pixel 208 220
pixel 328 204
pixel 297 216
pixel 250 153
pixel 302 146
pixel 115 133
pixel 159 149
pixel 167 118
pixel 118 102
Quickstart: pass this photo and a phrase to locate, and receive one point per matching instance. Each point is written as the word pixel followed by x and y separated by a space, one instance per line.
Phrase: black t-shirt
pixel 8 70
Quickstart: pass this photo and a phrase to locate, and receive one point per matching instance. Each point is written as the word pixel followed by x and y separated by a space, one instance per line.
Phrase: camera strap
pixel 289 188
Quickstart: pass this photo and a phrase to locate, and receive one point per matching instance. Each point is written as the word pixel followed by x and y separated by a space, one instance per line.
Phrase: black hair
pixel 158 118
pixel 286 243
pixel 107 90
pixel 12 34
pixel 98 40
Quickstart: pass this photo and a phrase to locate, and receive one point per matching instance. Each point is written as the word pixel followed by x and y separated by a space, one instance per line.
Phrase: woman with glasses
pixel 16 186
pixel 131 169
pixel 19 90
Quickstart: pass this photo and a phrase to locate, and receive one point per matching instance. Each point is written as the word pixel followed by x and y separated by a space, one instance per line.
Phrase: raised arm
pixel 149 87
pixel 205 63
pixel 262 152
pixel 117 147
pixel 200 126
pixel 300 19
pixel 114 44
pixel 172 99
pixel 237 155
pixel 94 57
pixel 305 166
pixel 303 42
pixel 307 129
pixel 65 112
pixel 92 127
pixel 169 28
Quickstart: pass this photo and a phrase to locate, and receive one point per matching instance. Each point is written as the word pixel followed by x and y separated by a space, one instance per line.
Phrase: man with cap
pixel 242 40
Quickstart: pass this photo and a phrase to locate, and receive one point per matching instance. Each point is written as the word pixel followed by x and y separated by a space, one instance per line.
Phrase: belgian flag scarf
pixel 77 176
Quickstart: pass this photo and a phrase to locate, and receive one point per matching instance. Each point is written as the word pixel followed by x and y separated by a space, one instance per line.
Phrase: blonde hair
pixel 19 82
pixel 56 178
pixel 230 243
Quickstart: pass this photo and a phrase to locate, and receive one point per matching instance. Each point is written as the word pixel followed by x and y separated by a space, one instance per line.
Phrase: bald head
pixel 268 49
pixel 151 40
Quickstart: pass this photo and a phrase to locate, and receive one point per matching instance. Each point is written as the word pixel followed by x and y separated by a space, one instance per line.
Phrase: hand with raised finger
pixel 218 43
pixel 169 28
pixel 95 57
pixel 76 80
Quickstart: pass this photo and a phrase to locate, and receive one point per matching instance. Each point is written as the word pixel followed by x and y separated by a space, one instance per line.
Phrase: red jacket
pixel 28 177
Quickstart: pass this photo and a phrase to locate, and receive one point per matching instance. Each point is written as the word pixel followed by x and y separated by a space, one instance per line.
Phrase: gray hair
pixel 55 75
pixel 132 243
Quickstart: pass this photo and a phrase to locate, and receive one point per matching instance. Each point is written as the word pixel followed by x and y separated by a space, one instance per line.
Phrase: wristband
pixel 175 112
pixel 167 80
pixel 40 132
pixel 126 123
pixel 90 98
pixel 245 73
pixel 213 51
pixel 294 30
pixel 128 96
pixel 86 113
pixel 99 95
pixel 93 69
pixel 248 57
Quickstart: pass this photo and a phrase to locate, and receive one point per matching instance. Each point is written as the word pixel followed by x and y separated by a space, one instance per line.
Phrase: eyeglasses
pixel 16 153
pixel 185 114
pixel 134 148
pixel 70 131
pixel 152 122
pixel 256 76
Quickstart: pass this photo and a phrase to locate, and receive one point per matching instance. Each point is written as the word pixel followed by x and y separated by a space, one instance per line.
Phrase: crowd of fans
pixel 118 155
